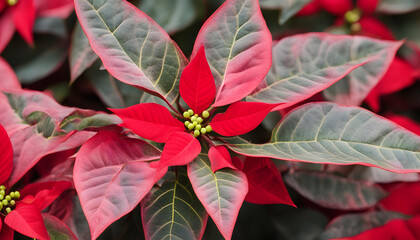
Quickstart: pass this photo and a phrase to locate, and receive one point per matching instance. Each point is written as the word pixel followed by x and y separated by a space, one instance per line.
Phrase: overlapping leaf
pixel 56 228
pixel 353 224
pixel 132 47
pixel 81 54
pixel 329 133
pixel 238 49
pixel 173 211
pixel 111 176
pixel 335 192
pixel 221 193
pixel 288 8
pixel 306 64
pixel 9 79
pixel 32 120
pixel 6 156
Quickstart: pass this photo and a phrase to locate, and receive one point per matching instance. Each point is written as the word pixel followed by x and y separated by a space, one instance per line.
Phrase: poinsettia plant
pixel 198 110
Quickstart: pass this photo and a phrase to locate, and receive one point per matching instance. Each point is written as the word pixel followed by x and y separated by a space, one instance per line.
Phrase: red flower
pixel 21 211
pixel 197 88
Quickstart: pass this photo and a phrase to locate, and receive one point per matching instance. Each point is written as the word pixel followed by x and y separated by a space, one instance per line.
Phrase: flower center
pixel 195 122
pixel 7 202
pixel 12 2
pixel 353 16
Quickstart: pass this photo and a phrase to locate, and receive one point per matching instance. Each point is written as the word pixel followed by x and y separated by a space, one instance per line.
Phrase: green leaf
pixel 329 133
pixel 57 230
pixel 172 211
pixel 378 175
pixel 306 64
pixel 288 8
pixel 221 193
pixel 81 54
pixel 171 15
pixel 132 47
pixel 352 224
pixel 335 192
pixel 397 6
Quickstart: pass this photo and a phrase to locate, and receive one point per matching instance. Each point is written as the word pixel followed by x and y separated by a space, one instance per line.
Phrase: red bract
pixel 21 211
pixel 20 15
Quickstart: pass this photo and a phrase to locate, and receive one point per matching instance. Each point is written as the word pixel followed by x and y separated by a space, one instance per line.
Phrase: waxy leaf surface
pixel 329 133
pixel 221 193
pixel 352 224
pixel 132 47
pixel 180 149
pixel 27 220
pixel 197 86
pixel 238 49
pixel 306 64
pixel 172 211
pixel 240 118
pixel 111 176
pixel 81 54
pixel 353 88
pixel 150 120
pixel 32 121
pixel 265 183
pixel 335 192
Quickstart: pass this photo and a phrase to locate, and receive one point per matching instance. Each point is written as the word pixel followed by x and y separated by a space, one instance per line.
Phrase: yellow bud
pixel 186 114
pixel 12 203
pixel 203 130
pixel 12 195
pixel 199 120
pixel 5 202
pixel 198 127
pixel 208 128
pixel 195 124
pixel 2 192
pixel 12 2
pixel 8 210
pixel 196 115
pixel 8 198
pixel 187 123
pixel 196 133
pixel 205 114
pixel 191 112
pixel 190 126
pixel 193 118
pixel 2 187
pixel 17 194
pixel 1 197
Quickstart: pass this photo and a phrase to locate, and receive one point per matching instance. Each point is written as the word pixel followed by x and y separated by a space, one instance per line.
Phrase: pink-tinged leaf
pixel 45 193
pixel 404 199
pixel 398 7
pixel 132 47
pixel 197 86
pixel 220 158
pixel 6 156
pixel 265 183
pixel 180 149
pixel 337 7
pixel 240 118
pixel 172 210
pixel 111 176
pixel 32 120
pixel 81 54
pixel 238 49
pixel 399 69
pixel 9 79
pixel 56 228
pixel 6 232
pixel 405 122
pixel 394 230
pixel 330 133
pixel 24 19
pixel 288 8
pixel 306 64
pixel 348 225
pixel 56 8
pixel 150 120
pixel 221 193
pixel 7 28
pixel 27 220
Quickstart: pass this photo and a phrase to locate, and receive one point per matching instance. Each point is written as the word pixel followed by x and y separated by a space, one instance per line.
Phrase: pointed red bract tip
pixel 150 120
pixel 181 149
pixel 220 158
pixel 24 19
pixel 197 86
